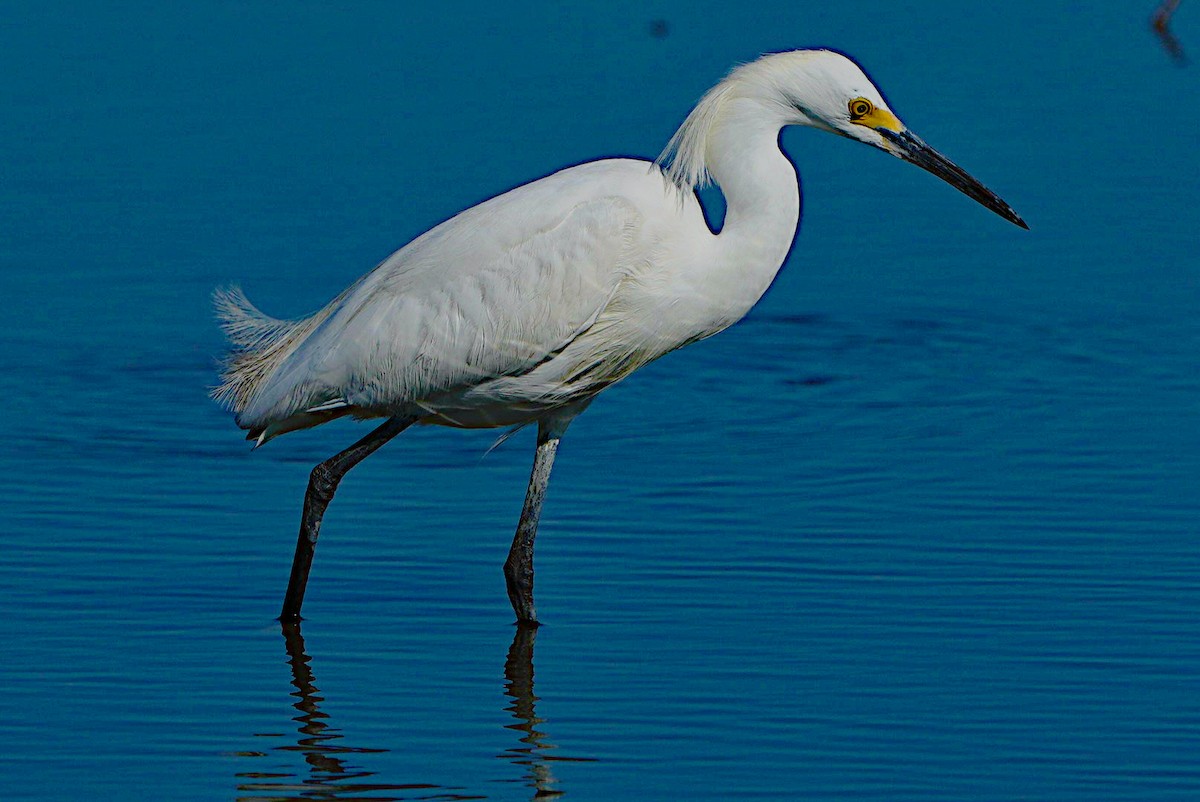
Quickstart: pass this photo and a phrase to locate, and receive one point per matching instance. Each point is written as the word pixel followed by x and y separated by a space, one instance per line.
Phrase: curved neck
pixel 761 190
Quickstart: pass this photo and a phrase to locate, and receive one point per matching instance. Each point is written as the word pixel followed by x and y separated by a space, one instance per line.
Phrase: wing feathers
pixel 470 301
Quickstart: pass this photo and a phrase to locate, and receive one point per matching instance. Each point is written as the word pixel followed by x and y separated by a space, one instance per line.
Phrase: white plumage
pixel 524 307
pixel 527 301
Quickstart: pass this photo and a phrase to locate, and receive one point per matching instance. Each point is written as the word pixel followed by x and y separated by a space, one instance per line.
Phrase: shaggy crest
pixel 685 158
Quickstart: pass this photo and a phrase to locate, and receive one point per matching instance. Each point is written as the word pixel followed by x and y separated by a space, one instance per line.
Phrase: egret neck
pixel 762 197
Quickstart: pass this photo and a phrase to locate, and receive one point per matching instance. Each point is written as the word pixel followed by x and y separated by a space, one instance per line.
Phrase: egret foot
pixel 519 579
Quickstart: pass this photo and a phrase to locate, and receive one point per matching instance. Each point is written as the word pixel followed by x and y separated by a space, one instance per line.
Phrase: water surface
pixel 924 527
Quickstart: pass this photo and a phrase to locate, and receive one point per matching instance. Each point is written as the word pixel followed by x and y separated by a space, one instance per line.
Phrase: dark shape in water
pixel 518 686
pixel 331 775
pixel 1161 24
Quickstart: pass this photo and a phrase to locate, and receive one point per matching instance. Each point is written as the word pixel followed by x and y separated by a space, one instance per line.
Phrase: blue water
pixel 924 527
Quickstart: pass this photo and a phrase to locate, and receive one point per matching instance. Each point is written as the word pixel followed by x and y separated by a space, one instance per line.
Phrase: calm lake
pixel 925 526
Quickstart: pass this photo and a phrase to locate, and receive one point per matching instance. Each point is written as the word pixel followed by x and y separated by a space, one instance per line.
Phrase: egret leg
pixel 518 568
pixel 322 484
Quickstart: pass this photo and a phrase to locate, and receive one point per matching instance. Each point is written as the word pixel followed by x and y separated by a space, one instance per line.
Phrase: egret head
pixel 829 91
pixel 820 89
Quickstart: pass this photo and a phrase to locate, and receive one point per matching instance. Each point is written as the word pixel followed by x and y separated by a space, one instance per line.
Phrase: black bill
pixel 912 149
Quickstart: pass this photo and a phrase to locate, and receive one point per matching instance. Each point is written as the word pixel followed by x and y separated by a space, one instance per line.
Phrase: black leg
pixel 518 568
pixel 322 484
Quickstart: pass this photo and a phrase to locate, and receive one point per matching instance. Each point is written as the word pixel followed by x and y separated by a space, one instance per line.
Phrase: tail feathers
pixel 259 345
pixel 246 327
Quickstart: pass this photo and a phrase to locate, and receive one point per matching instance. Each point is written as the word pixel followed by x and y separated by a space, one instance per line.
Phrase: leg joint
pixel 323 481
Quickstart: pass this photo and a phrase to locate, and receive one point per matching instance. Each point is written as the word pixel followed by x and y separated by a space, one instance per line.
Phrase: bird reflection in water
pixel 332 771
pixel 533 753
pixel 332 774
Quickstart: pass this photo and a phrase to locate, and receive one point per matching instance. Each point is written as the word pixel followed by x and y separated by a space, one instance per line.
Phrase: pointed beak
pixel 913 149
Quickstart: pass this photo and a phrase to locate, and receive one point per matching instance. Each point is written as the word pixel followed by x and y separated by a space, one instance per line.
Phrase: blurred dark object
pixel 1161 23
pixel 659 28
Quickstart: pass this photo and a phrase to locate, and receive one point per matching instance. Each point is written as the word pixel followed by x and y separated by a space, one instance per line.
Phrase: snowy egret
pixel 521 309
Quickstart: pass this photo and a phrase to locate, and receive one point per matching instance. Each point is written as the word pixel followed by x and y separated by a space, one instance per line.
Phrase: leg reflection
pixel 317 736
pixel 330 772
pixel 533 753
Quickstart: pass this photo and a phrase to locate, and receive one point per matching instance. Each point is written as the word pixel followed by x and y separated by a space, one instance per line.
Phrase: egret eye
pixel 859 108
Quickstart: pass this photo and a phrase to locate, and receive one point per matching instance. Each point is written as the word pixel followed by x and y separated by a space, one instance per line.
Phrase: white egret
pixel 521 309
